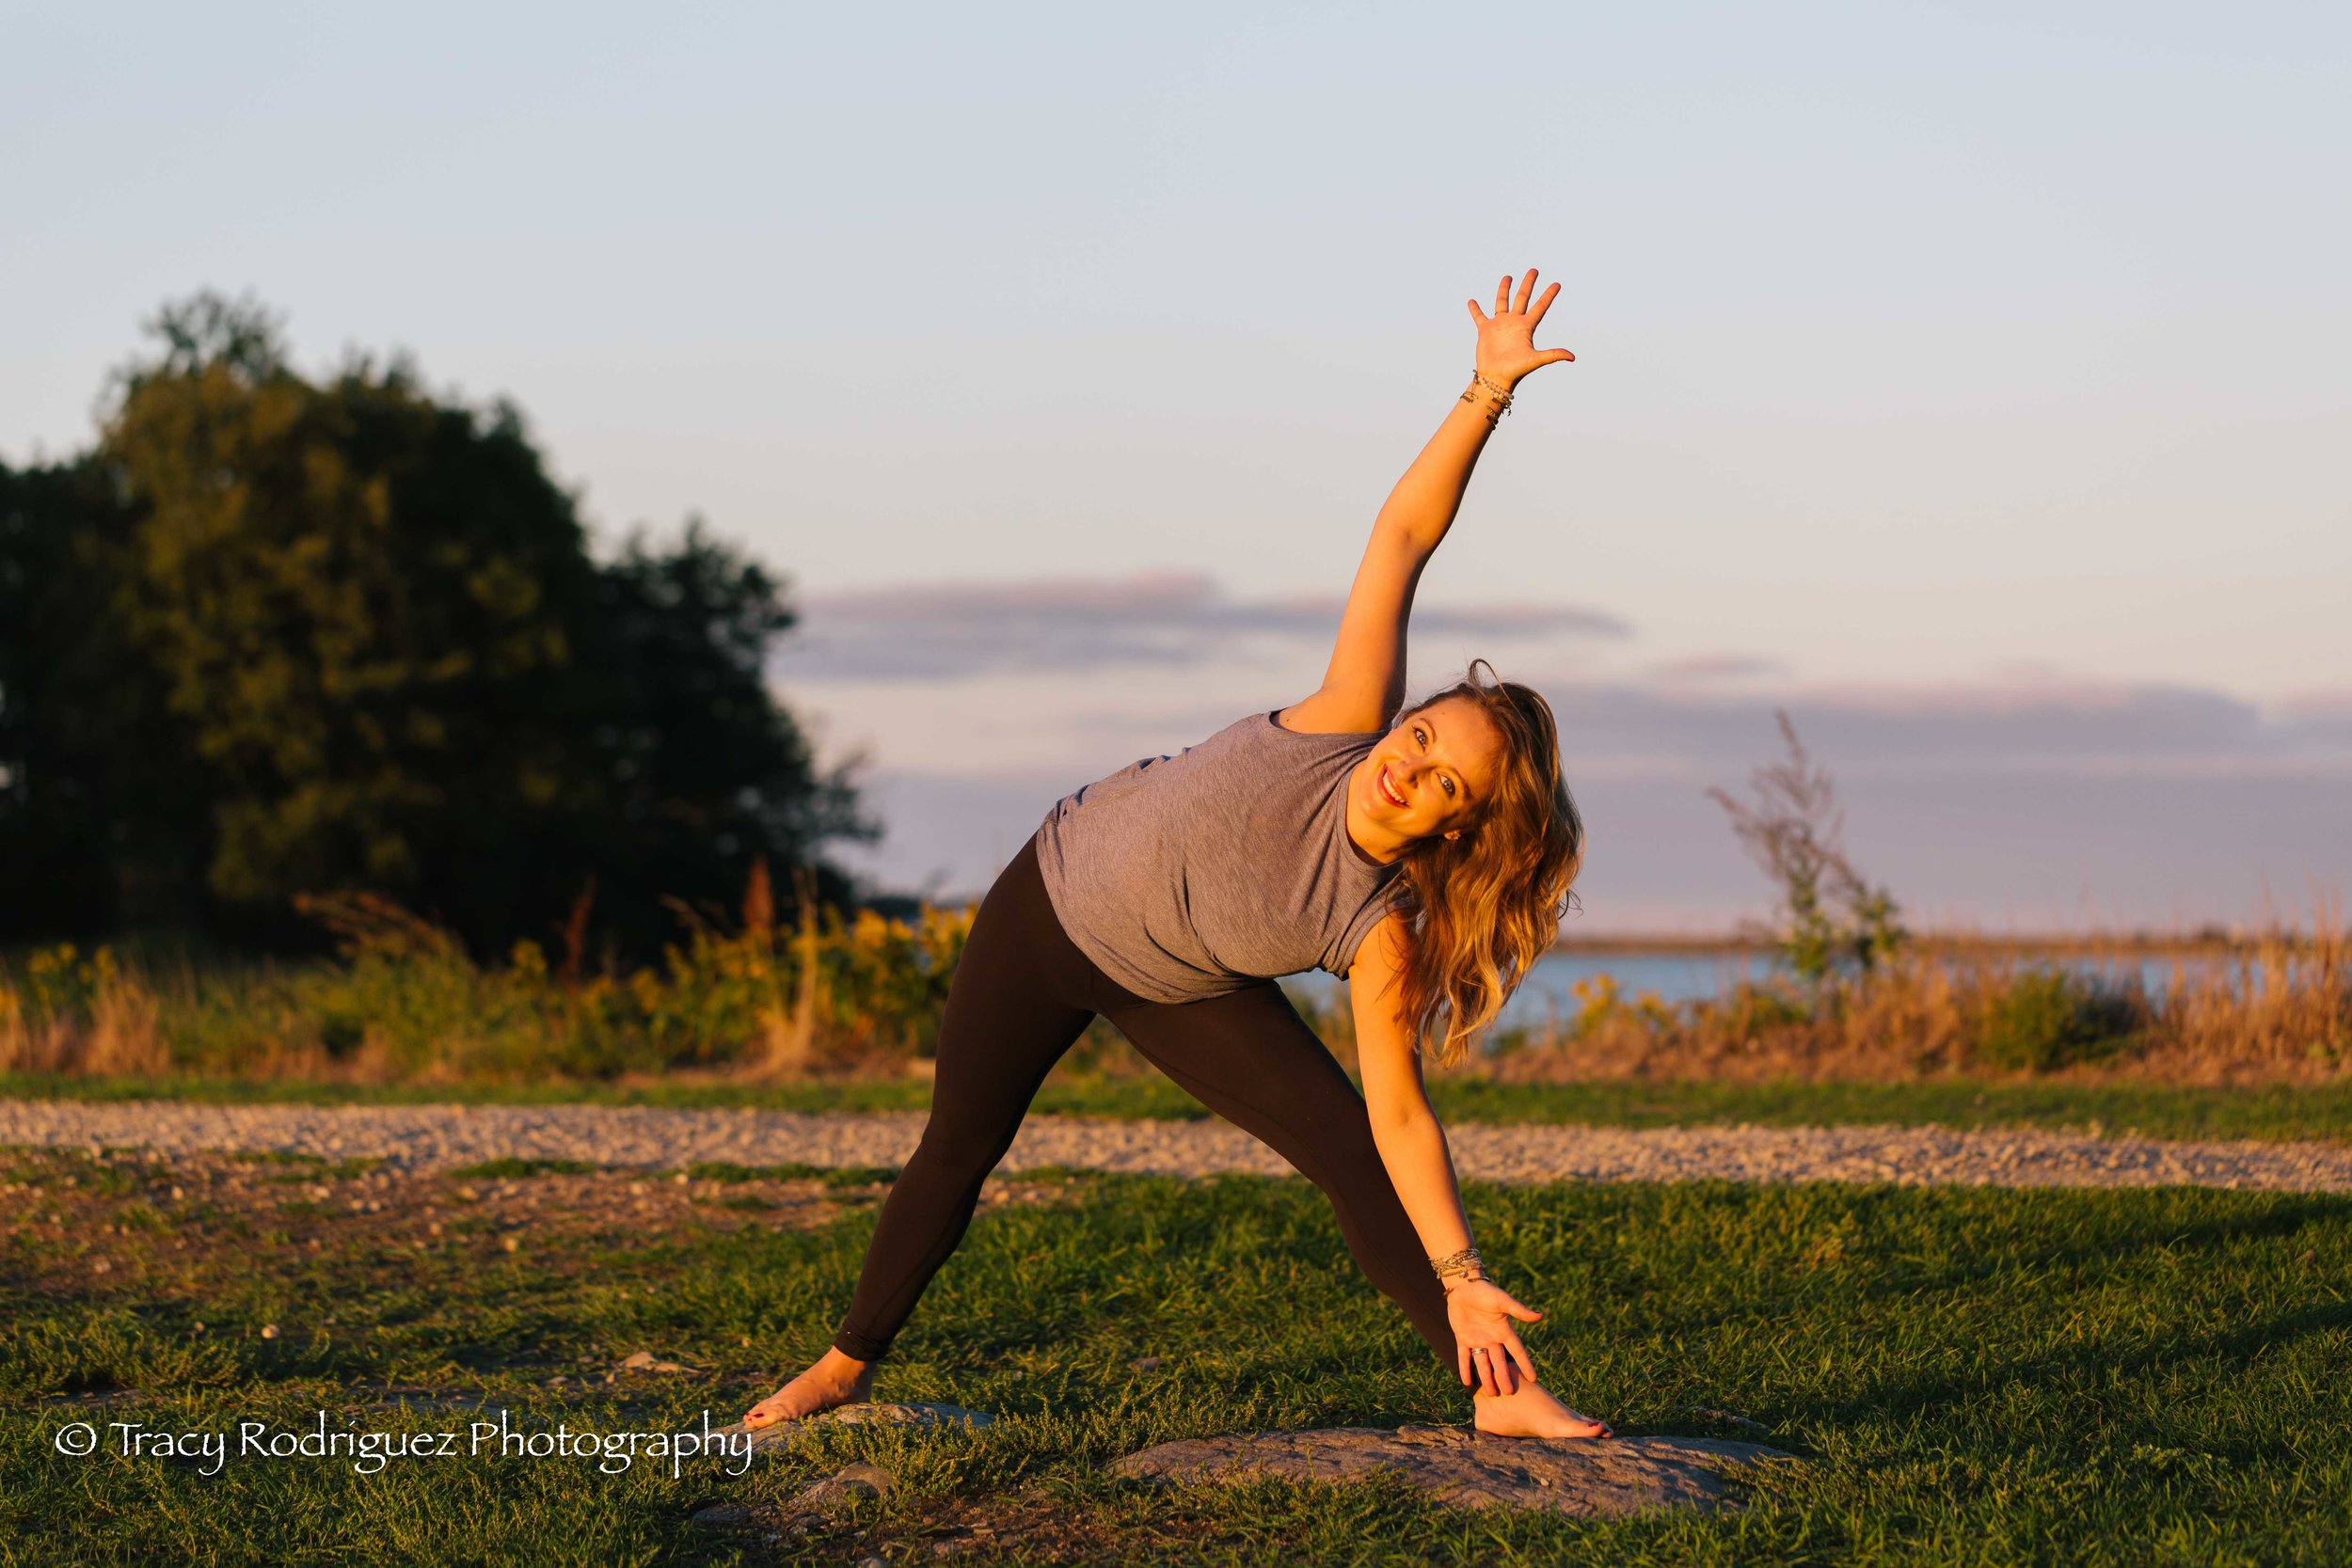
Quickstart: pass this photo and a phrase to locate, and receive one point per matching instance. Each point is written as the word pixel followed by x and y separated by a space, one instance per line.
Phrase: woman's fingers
pixel 1462 1358
pixel 1503 305
pixel 1519 1356
pixel 1518 1309
pixel 1477 315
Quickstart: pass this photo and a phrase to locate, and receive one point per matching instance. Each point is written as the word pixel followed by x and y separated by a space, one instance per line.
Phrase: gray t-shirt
pixel 1190 876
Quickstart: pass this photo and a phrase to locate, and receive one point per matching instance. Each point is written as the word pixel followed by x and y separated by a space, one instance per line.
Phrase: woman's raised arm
pixel 1365 681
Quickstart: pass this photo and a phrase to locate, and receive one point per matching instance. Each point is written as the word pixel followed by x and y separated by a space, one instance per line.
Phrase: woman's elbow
pixel 1401 1119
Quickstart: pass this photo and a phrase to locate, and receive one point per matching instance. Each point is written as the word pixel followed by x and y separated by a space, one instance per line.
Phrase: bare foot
pixel 1532 1413
pixel 835 1379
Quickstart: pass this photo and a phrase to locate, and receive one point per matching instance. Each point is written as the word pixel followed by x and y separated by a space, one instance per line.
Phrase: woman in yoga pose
pixel 1425 857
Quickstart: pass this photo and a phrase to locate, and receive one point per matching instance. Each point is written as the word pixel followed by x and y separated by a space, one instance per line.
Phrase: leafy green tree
pixel 710 774
pixel 54 721
pixel 362 604
pixel 361 645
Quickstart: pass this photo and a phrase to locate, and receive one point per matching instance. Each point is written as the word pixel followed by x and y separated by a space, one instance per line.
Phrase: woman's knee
pixel 960 1147
pixel 1341 1159
pixel 1342 1132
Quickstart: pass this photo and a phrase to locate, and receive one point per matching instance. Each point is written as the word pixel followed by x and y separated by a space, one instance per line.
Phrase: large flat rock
pixel 870 1412
pixel 1589 1478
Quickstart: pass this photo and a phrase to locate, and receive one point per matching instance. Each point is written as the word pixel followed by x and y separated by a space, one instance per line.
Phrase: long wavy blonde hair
pixel 1481 908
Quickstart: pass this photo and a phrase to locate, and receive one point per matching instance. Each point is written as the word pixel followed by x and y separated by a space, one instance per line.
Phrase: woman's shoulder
pixel 1256 744
pixel 1301 725
pixel 1328 713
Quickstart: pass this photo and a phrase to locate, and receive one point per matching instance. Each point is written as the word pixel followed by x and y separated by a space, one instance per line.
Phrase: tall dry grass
pixel 830 995
pixel 72 1012
pixel 404 1003
pixel 2276 1010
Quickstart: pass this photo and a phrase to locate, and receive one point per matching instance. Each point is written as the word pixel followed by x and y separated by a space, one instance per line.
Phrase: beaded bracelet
pixel 1458 1263
pixel 1500 408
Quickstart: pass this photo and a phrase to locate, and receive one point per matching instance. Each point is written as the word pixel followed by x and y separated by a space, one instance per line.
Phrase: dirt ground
pixel 131 1226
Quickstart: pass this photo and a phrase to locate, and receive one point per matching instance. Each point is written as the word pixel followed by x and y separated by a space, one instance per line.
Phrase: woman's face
pixel 1432 774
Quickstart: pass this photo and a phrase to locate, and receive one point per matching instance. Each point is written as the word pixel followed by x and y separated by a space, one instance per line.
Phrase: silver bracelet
pixel 1457 1262
pixel 1500 407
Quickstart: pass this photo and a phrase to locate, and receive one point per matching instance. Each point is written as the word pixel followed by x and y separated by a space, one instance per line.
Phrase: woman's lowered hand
pixel 1486 1339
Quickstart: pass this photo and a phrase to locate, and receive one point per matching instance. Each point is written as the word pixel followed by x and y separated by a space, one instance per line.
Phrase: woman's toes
pixel 768 1411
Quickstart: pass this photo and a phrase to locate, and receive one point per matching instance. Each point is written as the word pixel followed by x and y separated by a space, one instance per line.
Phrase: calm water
pixel 1549 993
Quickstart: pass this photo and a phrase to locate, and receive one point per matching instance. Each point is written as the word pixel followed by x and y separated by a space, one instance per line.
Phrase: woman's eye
pixel 1422 738
pixel 1449 786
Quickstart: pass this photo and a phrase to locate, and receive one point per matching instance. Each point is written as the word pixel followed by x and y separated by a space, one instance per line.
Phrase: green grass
pixel 2319 1111
pixel 2275 1112
pixel 1971 1377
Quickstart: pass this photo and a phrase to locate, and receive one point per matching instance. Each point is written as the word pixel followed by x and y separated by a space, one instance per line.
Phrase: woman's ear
pixel 1456 833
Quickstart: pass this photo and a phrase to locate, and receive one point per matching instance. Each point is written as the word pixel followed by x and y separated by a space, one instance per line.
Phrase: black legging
pixel 1022 994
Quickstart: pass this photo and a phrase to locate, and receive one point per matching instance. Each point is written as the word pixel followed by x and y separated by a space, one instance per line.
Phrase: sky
pixel 1967 380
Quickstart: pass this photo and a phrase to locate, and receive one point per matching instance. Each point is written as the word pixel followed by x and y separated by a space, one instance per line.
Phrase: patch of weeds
pixel 91 1175
pixel 496 1171
pixel 860 1175
pixel 344 1172
pixel 141 1216
pixel 299 1166
pixel 1074 1174
pixel 728 1171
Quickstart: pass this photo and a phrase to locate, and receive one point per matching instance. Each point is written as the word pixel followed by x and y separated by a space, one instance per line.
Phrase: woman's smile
pixel 1387 786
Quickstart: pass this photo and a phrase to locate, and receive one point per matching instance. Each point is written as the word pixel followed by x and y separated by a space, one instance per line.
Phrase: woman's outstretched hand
pixel 1487 1347
pixel 1506 339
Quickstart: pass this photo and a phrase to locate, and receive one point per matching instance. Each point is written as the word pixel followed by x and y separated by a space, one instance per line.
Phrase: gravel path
pixel 435 1137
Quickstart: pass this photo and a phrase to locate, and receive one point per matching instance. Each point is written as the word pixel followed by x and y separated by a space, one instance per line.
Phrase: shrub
pixel 1830 918
pixel 2046 1018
